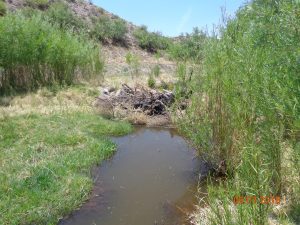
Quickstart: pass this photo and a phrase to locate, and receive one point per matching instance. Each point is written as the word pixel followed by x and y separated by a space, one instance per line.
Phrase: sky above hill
pixel 171 17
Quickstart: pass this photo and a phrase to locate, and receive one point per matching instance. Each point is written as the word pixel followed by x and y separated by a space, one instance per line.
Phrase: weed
pixel 156 71
pixel 134 64
pixel 151 81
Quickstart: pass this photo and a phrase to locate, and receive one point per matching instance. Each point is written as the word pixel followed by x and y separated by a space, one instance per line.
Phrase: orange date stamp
pixel 265 200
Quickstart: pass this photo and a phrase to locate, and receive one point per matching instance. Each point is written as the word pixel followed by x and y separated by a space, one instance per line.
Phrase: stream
pixel 151 180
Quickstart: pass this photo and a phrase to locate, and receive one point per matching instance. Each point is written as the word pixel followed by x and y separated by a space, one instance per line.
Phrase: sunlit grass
pixel 46 161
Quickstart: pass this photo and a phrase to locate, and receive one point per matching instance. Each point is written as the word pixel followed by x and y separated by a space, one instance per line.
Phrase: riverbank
pixel 48 142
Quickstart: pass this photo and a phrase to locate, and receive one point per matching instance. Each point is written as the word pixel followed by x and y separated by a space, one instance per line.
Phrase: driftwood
pixel 149 101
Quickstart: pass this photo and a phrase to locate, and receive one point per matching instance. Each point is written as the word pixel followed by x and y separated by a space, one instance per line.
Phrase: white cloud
pixel 184 20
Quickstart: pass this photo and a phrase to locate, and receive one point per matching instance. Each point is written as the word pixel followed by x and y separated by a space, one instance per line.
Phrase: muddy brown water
pixel 152 179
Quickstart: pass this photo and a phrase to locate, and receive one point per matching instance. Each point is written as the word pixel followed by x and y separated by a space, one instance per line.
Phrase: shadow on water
pixel 152 179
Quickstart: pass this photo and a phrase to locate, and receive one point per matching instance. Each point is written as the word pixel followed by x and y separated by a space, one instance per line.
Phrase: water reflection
pixel 152 179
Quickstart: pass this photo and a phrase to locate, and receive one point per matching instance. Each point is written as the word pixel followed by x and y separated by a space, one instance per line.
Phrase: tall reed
pixel 245 104
pixel 34 53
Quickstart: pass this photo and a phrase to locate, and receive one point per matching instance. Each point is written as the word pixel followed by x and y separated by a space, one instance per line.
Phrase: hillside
pixel 114 53
pixel 82 9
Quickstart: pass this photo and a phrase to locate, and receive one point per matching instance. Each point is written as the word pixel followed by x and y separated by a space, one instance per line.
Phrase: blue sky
pixel 171 17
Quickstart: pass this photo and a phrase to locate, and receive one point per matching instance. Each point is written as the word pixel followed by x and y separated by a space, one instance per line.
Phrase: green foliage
pixel 183 89
pixel 151 81
pixel 245 107
pixel 106 29
pixel 40 4
pixel 156 71
pixel 60 14
pixel 151 42
pixel 2 8
pixel 46 162
pixel 189 46
pixel 33 53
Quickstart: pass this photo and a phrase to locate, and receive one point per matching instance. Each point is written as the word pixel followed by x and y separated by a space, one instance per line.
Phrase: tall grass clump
pixel 134 64
pixel 245 111
pixel 34 53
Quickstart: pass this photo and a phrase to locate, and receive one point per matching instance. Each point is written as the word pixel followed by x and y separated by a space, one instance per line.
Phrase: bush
pixel 189 46
pixel 151 42
pixel 34 53
pixel 2 8
pixel 151 82
pixel 40 4
pixel 59 13
pixel 106 29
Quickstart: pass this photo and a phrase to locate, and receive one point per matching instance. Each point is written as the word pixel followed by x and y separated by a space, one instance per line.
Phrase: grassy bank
pixel 245 111
pixel 46 152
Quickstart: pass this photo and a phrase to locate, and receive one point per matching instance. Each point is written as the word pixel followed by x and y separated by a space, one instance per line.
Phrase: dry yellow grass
pixel 77 98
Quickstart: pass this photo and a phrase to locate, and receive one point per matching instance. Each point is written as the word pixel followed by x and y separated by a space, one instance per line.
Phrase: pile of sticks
pixel 149 101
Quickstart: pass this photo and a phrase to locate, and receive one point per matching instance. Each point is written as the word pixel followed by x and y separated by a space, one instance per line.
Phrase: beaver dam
pixel 140 105
pixel 152 179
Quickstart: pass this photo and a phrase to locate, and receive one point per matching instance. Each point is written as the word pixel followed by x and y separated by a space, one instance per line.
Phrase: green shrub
pixel 118 31
pixel 41 4
pixel 189 46
pixel 2 8
pixel 106 29
pixel 151 42
pixel 151 82
pixel 59 13
pixel 34 53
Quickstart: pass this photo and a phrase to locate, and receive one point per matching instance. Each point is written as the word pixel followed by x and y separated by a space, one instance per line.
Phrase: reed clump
pixel 36 53
pixel 245 110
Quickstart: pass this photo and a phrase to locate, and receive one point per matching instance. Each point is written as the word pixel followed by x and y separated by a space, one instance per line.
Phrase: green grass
pixel 45 163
